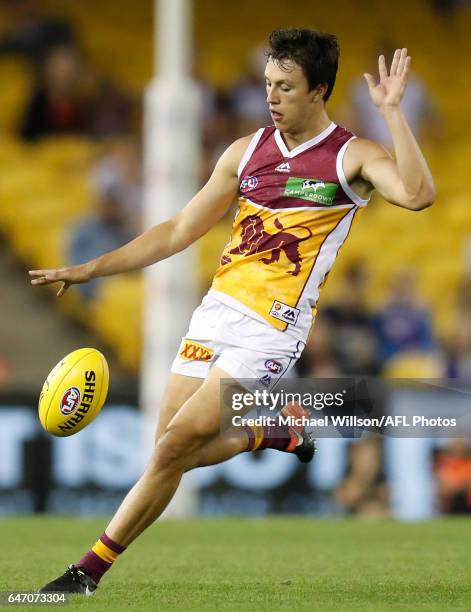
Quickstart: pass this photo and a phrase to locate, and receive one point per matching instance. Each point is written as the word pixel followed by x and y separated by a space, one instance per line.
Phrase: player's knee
pixel 178 446
pixel 169 450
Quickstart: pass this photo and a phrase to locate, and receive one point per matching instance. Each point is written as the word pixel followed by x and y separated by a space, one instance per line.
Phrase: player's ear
pixel 318 93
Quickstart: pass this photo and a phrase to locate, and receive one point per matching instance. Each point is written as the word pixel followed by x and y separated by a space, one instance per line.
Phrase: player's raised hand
pixel 72 275
pixel 390 89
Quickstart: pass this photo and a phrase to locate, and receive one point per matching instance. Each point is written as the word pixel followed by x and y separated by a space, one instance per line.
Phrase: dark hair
pixel 315 52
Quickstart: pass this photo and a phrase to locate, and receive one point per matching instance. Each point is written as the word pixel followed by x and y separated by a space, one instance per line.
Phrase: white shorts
pixel 243 347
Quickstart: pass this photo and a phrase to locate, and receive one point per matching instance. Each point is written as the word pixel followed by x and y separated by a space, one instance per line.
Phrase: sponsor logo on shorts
pixel 70 400
pixel 265 380
pixel 284 312
pixel 313 190
pixel 192 351
pixel 273 366
pixel 249 183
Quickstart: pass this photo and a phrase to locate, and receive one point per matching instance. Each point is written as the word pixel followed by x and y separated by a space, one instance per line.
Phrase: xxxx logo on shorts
pixel 192 351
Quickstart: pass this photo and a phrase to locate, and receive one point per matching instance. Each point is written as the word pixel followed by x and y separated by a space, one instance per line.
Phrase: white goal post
pixel 171 156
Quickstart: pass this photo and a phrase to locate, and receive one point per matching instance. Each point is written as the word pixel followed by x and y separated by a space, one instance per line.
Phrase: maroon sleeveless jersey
pixel 295 212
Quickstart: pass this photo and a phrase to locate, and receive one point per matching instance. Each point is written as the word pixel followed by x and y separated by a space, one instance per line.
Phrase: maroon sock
pixel 250 437
pixel 276 436
pixel 267 436
pixel 101 557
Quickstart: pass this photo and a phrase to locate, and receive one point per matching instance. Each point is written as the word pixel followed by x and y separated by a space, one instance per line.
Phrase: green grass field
pixel 258 564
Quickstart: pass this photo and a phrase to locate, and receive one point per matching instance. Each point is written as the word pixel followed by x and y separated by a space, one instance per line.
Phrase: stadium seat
pixel 414 365
pixel 15 84
pixel 116 316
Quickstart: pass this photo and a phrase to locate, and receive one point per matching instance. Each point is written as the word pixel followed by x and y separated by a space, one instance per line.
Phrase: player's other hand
pixel 390 89
pixel 72 275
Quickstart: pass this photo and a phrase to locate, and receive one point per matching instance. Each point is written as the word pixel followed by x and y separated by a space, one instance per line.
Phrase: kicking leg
pixel 178 448
pixel 197 422
pixel 188 436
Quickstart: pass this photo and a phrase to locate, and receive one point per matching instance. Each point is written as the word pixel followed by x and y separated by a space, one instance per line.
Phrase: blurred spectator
pixel 61 102
pixel 218 133
pixel 112 110
pixel 447 7
pixel 444 7
pixel 403 324
pixel 417 104
pixel 32 33
pixel 364 491
pixel 318 358
pixel 207 92
pixel 248 96
pixel 104 231
pixel 354 340
pixel 213 119
pixel 459 344
pixel 463 296
pixel 453 474
pixel 119 173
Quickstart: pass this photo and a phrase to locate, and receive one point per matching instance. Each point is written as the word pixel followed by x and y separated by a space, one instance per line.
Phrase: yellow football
pixel 74 392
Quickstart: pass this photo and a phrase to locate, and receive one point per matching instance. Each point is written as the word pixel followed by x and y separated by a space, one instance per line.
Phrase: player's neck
pixel 315 127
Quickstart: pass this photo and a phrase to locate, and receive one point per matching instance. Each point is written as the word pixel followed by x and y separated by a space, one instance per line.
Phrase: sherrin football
pixel 74 392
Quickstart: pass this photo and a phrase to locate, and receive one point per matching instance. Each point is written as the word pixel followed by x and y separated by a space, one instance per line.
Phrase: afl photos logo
pixel 70 401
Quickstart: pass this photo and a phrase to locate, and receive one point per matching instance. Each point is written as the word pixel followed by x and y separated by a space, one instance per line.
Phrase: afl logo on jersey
pixel 249 183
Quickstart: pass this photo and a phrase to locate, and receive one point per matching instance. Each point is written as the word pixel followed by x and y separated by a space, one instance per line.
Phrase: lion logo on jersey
pixel 255 239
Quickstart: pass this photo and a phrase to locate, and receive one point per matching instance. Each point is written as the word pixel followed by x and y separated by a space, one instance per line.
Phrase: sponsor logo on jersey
pixel 265 380
pixel 283 312
pixel 313 190
pixel 192 351
pixel 255 239
pixel 70 400
pixel 249 183
pixel 273 366
pixel 284 167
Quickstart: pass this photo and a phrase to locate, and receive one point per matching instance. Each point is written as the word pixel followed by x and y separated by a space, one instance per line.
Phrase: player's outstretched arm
pixel 406 180
pixel 165 239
